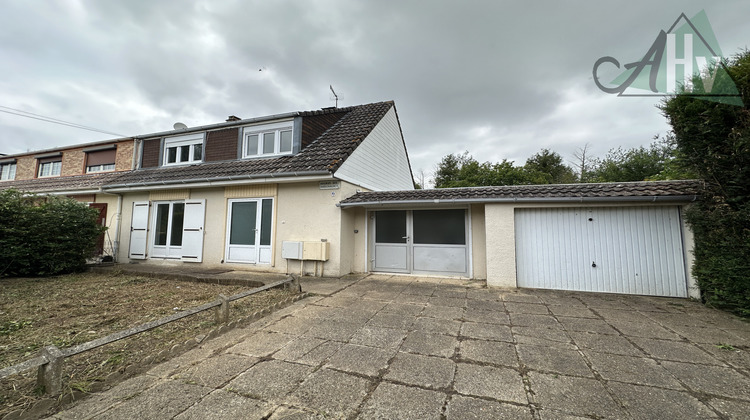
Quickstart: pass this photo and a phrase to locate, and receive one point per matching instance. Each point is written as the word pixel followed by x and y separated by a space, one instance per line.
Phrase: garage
pixel 631 250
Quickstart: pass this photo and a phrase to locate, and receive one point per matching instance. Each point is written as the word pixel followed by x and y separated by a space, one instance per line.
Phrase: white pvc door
pixel 249 226
pixel 631 250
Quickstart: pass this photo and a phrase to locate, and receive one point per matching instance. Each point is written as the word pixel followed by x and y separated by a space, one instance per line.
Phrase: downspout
pixel 118 224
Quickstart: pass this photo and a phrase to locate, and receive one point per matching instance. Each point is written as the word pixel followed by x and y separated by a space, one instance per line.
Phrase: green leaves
pixel 41 236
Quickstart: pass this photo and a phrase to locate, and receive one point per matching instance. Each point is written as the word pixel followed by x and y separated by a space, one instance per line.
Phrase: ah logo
pixel 686 59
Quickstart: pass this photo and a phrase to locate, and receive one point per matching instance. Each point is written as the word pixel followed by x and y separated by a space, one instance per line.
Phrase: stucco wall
pixel 478 242
pixel 501 245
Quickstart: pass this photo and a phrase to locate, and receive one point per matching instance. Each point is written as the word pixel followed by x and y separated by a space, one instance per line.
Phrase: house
pixel 330 192
pixel 78 172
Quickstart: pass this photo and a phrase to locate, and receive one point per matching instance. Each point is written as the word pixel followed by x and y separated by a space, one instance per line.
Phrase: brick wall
pixel 73 161
pixel 124 158
pixel 25 167
pixel 222 144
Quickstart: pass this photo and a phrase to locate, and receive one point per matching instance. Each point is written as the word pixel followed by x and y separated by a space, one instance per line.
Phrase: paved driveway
pixel 419 348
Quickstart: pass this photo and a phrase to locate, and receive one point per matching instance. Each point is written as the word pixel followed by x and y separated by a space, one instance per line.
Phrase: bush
pixel 41 236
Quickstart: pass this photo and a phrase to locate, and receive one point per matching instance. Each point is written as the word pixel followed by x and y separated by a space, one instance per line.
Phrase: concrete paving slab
pixel 216 371
pixel 487 317
pixel 338 301
pixel 292 325
pixel 332 393
pixel 602 300
pixel 534 320
pixel 100 402
pixel 578 311
pixel 586 324
pixel 716 380
pixel 393 401
pixel 436 326
pixel 261 344
pixel 542 336
pixel 321 353
pixel 576 396
pixel 450 292
pixel 221 404
pixel 518 296
pixel 293 413
pixel 403 308
pixel 361 360
pixel 634 370
pixel 448 301
pixel 547 414
pixel 420 289
pixel 486 305
pixel 298 348
pixel 680 351
pixel 732 409
pixel 738 357
pixel 605 343
pixel 424 371
pixel 526 308
pixel 414 299
pixel 336 331
pixel 477 330
pixel 491 352
pixel 324 286
pixel 483 294
pixel 381 337
pixel 391 320
pixel 443 312
pixel 711 335
pixel 498 383
pixel 318 312
pixel 648 403
pixel 430 344
pixel 271 380
pixel 469 408
pixel 645 328
pixel 555 360
pixel 163 401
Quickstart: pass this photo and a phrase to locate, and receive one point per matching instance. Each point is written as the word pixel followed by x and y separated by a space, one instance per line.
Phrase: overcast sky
pixel 500 79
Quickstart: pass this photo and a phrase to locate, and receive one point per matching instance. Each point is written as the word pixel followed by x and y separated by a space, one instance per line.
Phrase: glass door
pixel 167 232
pixel 249 231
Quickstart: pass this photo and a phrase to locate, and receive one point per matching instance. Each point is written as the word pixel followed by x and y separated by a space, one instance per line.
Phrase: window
pixel 168 229
pixel 267 140
pixel 7 171
pixel 50 167
pixel 183 149
pixel 100 160
pixel 249 230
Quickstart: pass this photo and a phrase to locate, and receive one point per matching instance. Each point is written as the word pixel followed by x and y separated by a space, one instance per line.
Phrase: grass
pixel 73 309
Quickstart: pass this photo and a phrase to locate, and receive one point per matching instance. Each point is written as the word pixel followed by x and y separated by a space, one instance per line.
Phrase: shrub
pixel 41 236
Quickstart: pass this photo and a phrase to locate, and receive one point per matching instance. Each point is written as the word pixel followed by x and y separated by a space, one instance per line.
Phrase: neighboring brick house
pixel 78 172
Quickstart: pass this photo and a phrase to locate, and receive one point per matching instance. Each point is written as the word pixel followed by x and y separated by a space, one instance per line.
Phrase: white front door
pixel 249 230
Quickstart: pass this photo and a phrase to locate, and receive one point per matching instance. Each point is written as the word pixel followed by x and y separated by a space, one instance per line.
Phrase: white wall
pixel 380 163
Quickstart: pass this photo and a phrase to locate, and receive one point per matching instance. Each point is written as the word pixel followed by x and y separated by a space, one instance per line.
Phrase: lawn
pixel 73 309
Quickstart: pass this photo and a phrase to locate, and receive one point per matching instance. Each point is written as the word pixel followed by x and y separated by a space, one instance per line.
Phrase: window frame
pixel 10 174
pixel 261 130
pixel 104 167
pixel 189 141
pixel 55 168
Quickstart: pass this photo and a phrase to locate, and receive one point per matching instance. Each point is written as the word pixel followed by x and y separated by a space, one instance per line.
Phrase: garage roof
pixel 675 191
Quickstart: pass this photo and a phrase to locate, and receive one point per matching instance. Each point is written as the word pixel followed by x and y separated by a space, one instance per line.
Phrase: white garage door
pixel 634 250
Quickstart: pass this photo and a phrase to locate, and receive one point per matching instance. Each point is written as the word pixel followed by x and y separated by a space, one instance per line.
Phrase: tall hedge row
pixel 41 236
pixel 713 141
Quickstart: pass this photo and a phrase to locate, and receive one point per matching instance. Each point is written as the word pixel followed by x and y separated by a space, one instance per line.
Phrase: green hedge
pixel 41 236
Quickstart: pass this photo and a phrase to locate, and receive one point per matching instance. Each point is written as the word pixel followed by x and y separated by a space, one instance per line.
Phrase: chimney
pixel 233 118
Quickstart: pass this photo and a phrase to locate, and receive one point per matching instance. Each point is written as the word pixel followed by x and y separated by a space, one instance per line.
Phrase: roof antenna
pixel 335 96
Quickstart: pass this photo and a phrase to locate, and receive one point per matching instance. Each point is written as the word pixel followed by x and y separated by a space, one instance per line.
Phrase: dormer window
pixel 183 149
pixel 267 140
pixel 100 159
pixel 8 170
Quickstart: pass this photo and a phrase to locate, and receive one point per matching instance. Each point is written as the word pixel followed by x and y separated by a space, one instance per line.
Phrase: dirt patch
pixel 74 309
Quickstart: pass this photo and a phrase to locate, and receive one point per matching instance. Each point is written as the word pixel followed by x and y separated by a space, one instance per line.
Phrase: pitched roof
pixel 652 190
pixel 62 183
pixel 322 156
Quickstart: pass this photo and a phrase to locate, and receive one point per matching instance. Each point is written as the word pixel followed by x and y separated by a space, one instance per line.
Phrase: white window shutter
pixel 192 231
pixel 139 231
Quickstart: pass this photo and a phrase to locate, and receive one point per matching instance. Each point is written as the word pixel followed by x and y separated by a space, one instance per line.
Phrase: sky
pixel 499 79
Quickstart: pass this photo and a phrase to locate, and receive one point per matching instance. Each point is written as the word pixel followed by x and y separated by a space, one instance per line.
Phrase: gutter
pixel 222 181
pixel 644 199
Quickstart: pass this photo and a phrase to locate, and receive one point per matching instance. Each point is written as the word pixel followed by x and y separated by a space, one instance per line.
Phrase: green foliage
pixel 41 236
pixel 713 141
pixel 465 171
pixel 552 166
pixel 9 327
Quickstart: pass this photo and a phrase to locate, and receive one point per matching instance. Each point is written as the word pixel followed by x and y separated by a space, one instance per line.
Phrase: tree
pixel 583 163
pixel 713 141
pixel 550 163
pixel 637 164
pixel 464 171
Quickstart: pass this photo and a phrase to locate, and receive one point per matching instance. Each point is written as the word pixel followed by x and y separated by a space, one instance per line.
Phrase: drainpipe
pixel 118 224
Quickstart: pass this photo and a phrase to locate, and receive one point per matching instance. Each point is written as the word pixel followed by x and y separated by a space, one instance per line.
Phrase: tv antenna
pixel 335 96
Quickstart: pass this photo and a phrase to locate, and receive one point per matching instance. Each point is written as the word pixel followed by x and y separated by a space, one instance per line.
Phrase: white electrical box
pixel 291 250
